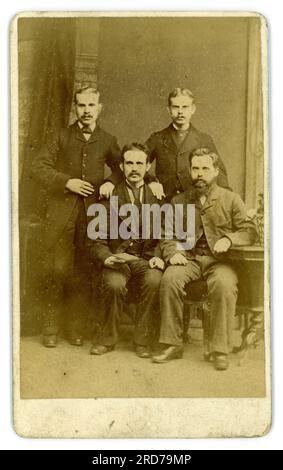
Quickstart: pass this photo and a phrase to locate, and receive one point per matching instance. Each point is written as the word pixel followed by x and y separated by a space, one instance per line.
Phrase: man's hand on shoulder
pixel 106 190
pixel 178 259
pixel 157 190
pixel 222 245
pixel 81 187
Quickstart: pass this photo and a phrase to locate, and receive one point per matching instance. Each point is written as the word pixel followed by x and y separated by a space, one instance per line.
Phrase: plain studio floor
pixel 71 372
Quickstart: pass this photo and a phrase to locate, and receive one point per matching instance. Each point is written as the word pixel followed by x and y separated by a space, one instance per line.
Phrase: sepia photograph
pixel 140 224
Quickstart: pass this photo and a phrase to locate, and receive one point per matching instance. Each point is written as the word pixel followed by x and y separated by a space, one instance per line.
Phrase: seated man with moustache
pixel 128 260
pixel 220 223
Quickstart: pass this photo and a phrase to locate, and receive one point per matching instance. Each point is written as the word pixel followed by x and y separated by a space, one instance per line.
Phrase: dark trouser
pixel 113 287
pixel 67 277
pixel 222 292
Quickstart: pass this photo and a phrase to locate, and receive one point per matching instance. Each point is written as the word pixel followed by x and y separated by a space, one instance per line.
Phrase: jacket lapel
pixel 189 143
pixel 212 196
pixel 123 197
pixel 78 133
pixel 168 140
pixel 96 135
pixel 148 195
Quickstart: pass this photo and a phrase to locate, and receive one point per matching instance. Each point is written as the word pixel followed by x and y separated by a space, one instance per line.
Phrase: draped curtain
pixel 47 49
pixel 50 89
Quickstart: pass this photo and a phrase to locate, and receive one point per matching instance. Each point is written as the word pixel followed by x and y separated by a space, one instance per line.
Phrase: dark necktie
pixel 179 137
pixel 86 130
pixel 137 202
pixel 136 194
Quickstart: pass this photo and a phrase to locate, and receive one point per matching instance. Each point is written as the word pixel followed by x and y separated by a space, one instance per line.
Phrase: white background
pixel 273 11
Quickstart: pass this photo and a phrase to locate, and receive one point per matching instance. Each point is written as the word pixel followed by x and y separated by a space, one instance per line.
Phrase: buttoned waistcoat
pixel 72 156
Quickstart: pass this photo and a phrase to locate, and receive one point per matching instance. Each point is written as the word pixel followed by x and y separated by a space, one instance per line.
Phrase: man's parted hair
pixel 135 146
pixel 205 152
pixel 86 90
pixel 180 92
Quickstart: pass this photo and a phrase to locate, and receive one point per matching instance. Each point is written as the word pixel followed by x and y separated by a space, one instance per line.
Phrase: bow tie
pixel 86 130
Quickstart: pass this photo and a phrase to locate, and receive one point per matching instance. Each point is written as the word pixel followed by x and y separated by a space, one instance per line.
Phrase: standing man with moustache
pixel 171 147
pixel 72 170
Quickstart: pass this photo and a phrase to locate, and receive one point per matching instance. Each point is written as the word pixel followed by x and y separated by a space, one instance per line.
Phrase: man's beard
pixel 201 186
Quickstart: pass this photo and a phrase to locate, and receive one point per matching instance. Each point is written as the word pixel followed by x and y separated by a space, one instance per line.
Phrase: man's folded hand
pixel 156 262
pixel 81 187
pixel 112 261
pixel 222 245
pixel 178 259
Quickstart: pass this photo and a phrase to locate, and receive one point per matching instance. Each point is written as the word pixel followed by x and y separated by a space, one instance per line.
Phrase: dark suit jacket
pixel 72 156
pixel 223 214
pixel 103 248
pixel 172 164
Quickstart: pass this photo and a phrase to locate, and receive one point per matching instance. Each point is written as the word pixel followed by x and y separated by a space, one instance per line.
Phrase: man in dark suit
pixel 72 171
pixel 127 260
pixel 220 223
pixel 171 147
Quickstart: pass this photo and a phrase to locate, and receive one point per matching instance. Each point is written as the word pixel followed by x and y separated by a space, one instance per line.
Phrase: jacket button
pixel 178 192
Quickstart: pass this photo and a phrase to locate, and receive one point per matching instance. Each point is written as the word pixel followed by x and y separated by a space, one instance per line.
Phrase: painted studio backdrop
pixel 135 63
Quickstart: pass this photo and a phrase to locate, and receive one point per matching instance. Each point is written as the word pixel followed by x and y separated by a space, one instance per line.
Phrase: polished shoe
pixel 100 349
pixel 221 362
pixel 143 351
pixel 168 353
pixel 76 340
pixel 49 341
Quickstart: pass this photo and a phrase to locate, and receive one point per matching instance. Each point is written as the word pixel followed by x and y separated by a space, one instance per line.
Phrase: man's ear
pixel 121 167
pixel 193 109
pixel 217 171
pixel 148 165
pixel 100 107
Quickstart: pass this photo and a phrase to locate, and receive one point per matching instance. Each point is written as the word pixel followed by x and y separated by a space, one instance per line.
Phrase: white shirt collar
pixel 181 130
pixel 92 126
pixel 140 184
